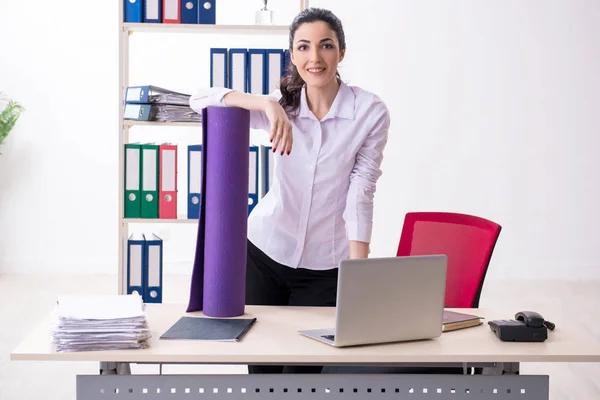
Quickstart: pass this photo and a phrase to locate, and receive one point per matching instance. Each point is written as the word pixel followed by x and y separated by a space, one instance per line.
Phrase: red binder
pixel 172 11
pixel 167 189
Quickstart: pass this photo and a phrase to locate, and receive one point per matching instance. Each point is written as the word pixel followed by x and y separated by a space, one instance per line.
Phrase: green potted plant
pixel 10 111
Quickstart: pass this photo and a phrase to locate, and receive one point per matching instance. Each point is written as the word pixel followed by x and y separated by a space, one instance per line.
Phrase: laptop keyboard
pixel 328 337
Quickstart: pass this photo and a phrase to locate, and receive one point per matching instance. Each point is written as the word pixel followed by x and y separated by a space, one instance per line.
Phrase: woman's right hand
pixel 281 128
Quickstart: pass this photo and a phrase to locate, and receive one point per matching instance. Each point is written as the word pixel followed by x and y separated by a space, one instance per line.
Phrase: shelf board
pixel 129 122
pixel 180 220
pixel 207 28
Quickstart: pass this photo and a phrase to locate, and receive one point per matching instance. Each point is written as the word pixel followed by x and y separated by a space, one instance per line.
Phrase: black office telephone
pixel 528 326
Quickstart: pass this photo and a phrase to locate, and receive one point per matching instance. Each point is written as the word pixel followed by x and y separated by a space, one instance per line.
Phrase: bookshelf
pixel 125 31
pixel 131 123
pixel 182 219
pixel 204 28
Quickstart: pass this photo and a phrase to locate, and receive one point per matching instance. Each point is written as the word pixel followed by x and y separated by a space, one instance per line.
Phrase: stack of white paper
pixel 170 98
pixel 87 323
pixel 173 113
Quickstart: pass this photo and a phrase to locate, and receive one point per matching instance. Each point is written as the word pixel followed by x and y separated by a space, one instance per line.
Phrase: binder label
pixel 153 266
pixel 195 165
pixel 135 265
pixel 149 166
pixel 252 184
pixel 168 169
pixel 132 111
pixel 171 9
pixel 132 180
pixel 133 94
pixel 152 9
pixel 256 76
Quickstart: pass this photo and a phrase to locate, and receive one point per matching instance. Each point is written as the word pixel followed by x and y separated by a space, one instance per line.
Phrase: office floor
pixel 25 299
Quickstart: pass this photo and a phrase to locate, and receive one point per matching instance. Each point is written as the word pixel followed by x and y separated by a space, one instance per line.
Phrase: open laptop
pixel 381 300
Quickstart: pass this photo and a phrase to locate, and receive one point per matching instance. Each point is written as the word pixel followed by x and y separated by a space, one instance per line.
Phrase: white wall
pixel 494 113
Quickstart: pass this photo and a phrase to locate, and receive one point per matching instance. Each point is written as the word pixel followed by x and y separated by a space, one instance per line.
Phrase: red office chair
pixel 468 242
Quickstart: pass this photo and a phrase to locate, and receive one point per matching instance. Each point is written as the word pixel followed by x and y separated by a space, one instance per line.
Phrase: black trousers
pixel 269 283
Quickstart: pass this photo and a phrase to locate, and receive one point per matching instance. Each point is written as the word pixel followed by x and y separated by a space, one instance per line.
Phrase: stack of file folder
pixel 153 103
pixel 259 180
pixel 151 174
pixel 255 71
pixel 145 267
pixel 170 11
pixel 150 180
pixel 173 113
pixel 91 323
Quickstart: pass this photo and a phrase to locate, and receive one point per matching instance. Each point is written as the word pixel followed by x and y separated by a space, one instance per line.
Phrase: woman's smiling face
pixel 316 53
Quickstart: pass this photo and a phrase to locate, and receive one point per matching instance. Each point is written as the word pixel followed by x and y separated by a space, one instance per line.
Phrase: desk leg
pixel 115 368
pixel 502 369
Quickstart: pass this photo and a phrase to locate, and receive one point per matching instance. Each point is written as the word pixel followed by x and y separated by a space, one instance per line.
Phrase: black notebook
pixel 216 329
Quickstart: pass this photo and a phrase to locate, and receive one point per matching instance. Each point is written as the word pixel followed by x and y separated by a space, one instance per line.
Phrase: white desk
pixel 274 340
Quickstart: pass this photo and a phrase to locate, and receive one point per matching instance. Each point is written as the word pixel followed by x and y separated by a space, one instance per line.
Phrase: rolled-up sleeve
pixel 258 119
pixel 363 178
pixel 215 96
pixel 212 96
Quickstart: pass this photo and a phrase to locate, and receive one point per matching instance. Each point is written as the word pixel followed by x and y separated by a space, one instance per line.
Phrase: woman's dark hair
pixel 292 84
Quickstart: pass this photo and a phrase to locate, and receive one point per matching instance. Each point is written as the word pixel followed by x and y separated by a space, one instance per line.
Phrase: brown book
pixel 455 320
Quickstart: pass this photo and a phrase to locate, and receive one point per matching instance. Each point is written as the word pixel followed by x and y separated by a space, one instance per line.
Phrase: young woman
pixel 329 139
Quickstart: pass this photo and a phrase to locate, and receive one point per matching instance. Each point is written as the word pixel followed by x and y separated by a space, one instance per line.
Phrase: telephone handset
pixel 528 326
pixel 533 319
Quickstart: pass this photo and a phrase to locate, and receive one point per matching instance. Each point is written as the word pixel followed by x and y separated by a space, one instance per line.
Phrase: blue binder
pixel 133 11
pixel 256 71
pixel 140 112
pixel 136 261
pixel 237 62
pixel 286 62
pixel 153 274
pixel 194 183
pixel 138 94
pixel 152 11
pixel 207 12
pixel 218 67
pixel 268 163
pixel 189 11
pixel 154 94
pixel 252 178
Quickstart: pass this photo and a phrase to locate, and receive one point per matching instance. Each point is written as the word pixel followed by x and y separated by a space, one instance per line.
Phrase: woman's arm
pixel 265 111
pixel 363 180
pixel 359 249
pixel 247 101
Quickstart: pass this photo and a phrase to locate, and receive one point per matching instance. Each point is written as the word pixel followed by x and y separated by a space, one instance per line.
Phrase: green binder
pixel 133 178
pixel 149 181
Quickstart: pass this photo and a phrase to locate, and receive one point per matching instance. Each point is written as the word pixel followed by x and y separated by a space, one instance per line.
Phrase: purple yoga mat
pixel 219 276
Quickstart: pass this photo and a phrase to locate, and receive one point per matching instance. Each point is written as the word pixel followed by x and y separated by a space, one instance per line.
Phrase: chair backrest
pixel 468 242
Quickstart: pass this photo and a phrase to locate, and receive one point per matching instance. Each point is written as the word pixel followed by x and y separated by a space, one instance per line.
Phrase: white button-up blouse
pixel 322 193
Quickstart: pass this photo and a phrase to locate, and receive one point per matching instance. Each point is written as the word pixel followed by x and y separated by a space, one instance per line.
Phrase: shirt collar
pixel 342 106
